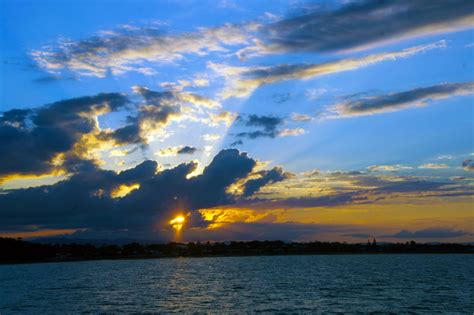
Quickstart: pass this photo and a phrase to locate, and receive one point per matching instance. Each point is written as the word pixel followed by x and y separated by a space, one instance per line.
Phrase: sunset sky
pixel 237 120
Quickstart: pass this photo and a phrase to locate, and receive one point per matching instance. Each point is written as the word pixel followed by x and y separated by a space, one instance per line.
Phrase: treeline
pixel 17 250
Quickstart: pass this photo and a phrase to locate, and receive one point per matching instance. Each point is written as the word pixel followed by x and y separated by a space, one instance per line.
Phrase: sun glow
pixel 178 222
pixel 123 190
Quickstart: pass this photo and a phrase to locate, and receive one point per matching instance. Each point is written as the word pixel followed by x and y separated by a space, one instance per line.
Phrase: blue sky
pixel 300 86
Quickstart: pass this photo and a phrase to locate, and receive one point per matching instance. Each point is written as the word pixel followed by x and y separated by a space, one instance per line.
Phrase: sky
pixel 290 120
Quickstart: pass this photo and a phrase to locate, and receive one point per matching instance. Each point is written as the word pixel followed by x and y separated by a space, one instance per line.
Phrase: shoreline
pixel 223 256
pixel 17 251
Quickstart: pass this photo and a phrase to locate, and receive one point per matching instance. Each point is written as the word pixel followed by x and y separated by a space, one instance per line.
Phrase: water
pixel 355 283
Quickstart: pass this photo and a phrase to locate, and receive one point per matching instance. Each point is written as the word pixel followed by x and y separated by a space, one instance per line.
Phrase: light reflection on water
pixel 366 283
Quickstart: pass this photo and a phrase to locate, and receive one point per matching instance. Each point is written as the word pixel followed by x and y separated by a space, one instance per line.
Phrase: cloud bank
pixel 140 198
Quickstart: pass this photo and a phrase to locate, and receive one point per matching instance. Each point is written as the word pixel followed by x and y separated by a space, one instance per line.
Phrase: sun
pixel 178 222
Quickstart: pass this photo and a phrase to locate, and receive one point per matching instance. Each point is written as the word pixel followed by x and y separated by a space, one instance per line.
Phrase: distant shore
pixel 15 251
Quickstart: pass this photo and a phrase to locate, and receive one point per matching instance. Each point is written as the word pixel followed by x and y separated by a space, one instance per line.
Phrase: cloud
pixel 359 25
pixel 301 117
pixel 388 168
pixel 236 143
pixel 434 233
pixel 51 78
pixel 468 165
pixel 180 85
pixel 265 177
pixel 157 111
pixel 334 200
pixel 140 198
pixel 256 134
pixel 173 151
pixel 315 93
pixel 269 128
pixel 46 139
pixel 291 132
pixel 241 82
pixel 401 100
pixel 62 137
pixel 268 125
pixel 169 97
pixel 187 150
pixel 445 157
pixel 211 137
pixel 125 49
pixel 433 166
pixel 225 117
pixel 335 189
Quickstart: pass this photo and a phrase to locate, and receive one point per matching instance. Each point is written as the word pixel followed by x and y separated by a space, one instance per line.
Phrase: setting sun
pixel 177 223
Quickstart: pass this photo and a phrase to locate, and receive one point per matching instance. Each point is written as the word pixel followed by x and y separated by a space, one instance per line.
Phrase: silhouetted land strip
pixel 19 251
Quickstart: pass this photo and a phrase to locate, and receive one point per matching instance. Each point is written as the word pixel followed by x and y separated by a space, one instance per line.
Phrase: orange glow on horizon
pixel 39 233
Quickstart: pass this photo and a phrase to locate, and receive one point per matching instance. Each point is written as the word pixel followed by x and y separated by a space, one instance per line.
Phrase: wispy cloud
pixel 291 132
pixel 396 101
pixel 125 49
pixel 242 81
pixel 388 168
pixel 301 117
pixel 174 151
pixel 363 24
pixel 433 166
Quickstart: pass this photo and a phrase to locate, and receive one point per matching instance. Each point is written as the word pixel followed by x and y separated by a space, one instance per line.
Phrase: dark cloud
pixel 277 72
pixel 266 177
pixel 51 79
pixel 187 150
pixel 396 101
pixel 268 125
pixel 257 134
pixel 50 138
pixel 30 139
pixel 334 200
pixel 365 23
pixel 157 111
pixel 236 143
pixel 87 200
pixel 129 134
pixel 173 151
pixel 434 233
pixel 408 186
pixel 468 165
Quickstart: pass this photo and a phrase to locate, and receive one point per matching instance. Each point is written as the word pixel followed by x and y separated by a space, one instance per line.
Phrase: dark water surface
pixel 350 283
